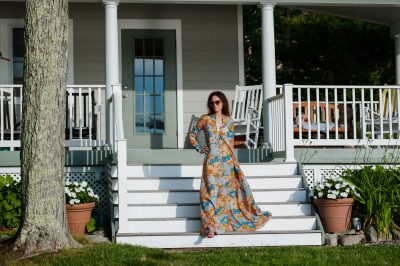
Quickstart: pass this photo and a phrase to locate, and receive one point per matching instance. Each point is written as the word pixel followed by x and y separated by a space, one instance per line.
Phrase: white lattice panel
pixel 93 176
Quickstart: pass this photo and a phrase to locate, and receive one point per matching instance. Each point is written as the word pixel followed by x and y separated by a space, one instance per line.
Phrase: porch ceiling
pixel 278 2
pixel 378 14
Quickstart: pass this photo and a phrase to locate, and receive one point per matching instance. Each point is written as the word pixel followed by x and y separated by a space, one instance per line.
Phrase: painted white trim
pixel 162 24
pixel 242 80
pixel 70 73
pixel 6 70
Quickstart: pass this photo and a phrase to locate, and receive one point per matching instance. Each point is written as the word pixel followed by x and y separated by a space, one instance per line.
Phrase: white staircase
pixel 158 206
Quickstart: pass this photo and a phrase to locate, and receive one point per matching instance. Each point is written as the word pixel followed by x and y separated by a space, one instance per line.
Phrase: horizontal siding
pixel 209 46
pixel 89 43
pixel 11 10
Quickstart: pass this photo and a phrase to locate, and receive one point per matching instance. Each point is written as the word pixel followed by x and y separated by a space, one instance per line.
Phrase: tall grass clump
pixel 378 196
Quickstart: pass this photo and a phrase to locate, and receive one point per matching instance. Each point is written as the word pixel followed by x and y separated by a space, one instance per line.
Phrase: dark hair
pixel 224 100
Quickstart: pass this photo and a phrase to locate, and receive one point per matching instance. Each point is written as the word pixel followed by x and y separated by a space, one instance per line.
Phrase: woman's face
pixel 216 104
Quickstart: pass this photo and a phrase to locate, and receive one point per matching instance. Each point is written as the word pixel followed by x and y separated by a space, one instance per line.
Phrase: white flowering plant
pixel 333 187
pixel 77 193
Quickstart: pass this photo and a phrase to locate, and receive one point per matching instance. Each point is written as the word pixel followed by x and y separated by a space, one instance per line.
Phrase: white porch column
pixel 268 65
pixel 112 64
pixel 397 55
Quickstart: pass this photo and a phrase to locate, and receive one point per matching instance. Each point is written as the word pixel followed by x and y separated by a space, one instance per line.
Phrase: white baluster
pixel 353 92
pixel 381 111
pixel 300 113
pixel 345 113
pixel 308 113
pixel 318 114
pixel 372 113
pixel 327 114
pixel 336 113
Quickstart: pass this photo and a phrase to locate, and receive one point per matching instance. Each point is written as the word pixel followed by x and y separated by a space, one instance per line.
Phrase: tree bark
pixel 44 225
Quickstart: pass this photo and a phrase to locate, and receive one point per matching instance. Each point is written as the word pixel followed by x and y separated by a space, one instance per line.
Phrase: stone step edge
pixel 226 233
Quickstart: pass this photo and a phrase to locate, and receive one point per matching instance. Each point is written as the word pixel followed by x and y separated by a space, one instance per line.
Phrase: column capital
pixel 111 2
pixel 267 4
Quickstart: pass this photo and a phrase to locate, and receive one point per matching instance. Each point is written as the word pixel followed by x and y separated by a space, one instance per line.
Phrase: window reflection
pixel 159 85
pixel 139 85
pixel 148 66
pixel 140 124
pixel 149 86
pixel 138 66
pixel 139 105
pixel 159 66
pixel 159 104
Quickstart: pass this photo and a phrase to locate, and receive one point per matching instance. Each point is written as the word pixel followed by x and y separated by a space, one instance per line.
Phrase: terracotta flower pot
pixel 335 214
pixel 78 216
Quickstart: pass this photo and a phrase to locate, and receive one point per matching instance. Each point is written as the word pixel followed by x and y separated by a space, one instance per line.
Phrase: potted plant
pixel 80 201
pixel 333 197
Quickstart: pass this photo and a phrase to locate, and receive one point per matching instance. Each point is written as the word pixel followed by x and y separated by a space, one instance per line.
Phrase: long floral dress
pixel 226 200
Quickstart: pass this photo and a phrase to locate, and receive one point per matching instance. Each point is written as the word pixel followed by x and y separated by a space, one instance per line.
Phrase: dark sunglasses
pixel 217 102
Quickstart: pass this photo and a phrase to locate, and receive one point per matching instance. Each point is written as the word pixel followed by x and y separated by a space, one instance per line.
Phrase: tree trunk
pixel 44 225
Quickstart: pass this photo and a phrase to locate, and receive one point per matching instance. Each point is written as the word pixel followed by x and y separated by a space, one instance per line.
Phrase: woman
pixel 227 203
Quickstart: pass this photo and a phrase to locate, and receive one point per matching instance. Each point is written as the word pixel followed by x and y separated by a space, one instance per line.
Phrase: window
pixel 148 76
pixel 18 55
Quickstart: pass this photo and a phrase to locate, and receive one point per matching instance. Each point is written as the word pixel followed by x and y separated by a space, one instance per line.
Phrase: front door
pixel 149 88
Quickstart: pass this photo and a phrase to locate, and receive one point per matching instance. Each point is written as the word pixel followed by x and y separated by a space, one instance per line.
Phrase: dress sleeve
pixel 195 132
pixel 231 133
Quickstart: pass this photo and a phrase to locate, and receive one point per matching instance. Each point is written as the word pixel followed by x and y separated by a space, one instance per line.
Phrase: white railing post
pixel 123 214
pixel 268 65
pixel 112 64
pixel 117 117
pixel 288 106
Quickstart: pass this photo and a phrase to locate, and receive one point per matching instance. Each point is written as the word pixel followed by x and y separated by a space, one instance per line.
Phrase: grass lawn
pixel 113 254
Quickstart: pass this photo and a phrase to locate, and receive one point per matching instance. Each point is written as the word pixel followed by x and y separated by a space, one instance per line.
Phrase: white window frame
pixel 6 68
pixel 162 24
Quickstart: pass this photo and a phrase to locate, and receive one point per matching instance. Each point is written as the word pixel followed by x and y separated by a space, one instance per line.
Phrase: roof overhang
pixel 277 2
pixel 386 12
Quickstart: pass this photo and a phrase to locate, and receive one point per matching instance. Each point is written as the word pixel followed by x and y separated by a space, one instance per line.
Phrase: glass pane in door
pixel 149 86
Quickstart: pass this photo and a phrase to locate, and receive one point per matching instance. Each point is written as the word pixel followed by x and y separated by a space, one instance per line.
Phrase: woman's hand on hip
pixel 206 149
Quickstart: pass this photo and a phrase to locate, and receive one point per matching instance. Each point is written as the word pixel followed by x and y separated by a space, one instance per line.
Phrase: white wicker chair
pixel 246 112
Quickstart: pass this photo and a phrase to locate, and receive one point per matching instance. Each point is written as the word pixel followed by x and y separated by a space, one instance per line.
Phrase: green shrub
pixel 379 196
pixel 10 202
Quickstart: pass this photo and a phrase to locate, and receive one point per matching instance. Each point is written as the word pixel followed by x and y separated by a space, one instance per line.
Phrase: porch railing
pixel 85 117
pixel 307 115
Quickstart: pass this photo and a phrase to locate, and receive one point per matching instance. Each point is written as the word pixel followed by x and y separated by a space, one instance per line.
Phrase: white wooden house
pixel 138 77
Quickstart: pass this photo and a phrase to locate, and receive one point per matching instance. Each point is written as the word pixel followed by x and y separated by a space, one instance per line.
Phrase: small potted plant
pixel 80 201
pixel 333 197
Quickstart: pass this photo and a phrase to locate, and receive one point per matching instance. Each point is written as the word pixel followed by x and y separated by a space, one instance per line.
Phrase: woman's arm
pixel 195 132
pixel 231 133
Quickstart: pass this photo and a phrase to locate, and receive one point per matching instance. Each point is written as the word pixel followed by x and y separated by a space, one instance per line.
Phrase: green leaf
pixel 91 225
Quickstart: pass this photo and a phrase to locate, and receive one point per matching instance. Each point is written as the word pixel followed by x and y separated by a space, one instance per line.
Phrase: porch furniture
pixel 246 112
pixel 309 122
pixel 81 117
pixel 386 121
pixel 11 125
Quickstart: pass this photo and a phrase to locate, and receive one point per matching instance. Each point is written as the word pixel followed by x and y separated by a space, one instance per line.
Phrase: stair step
pixel 192 196
pixel 167 170
pixel 229 239
pixel 193 209
pixel 155 225
pixel 190 183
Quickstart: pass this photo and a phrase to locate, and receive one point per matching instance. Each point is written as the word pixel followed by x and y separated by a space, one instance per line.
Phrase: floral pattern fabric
pixel 226 200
